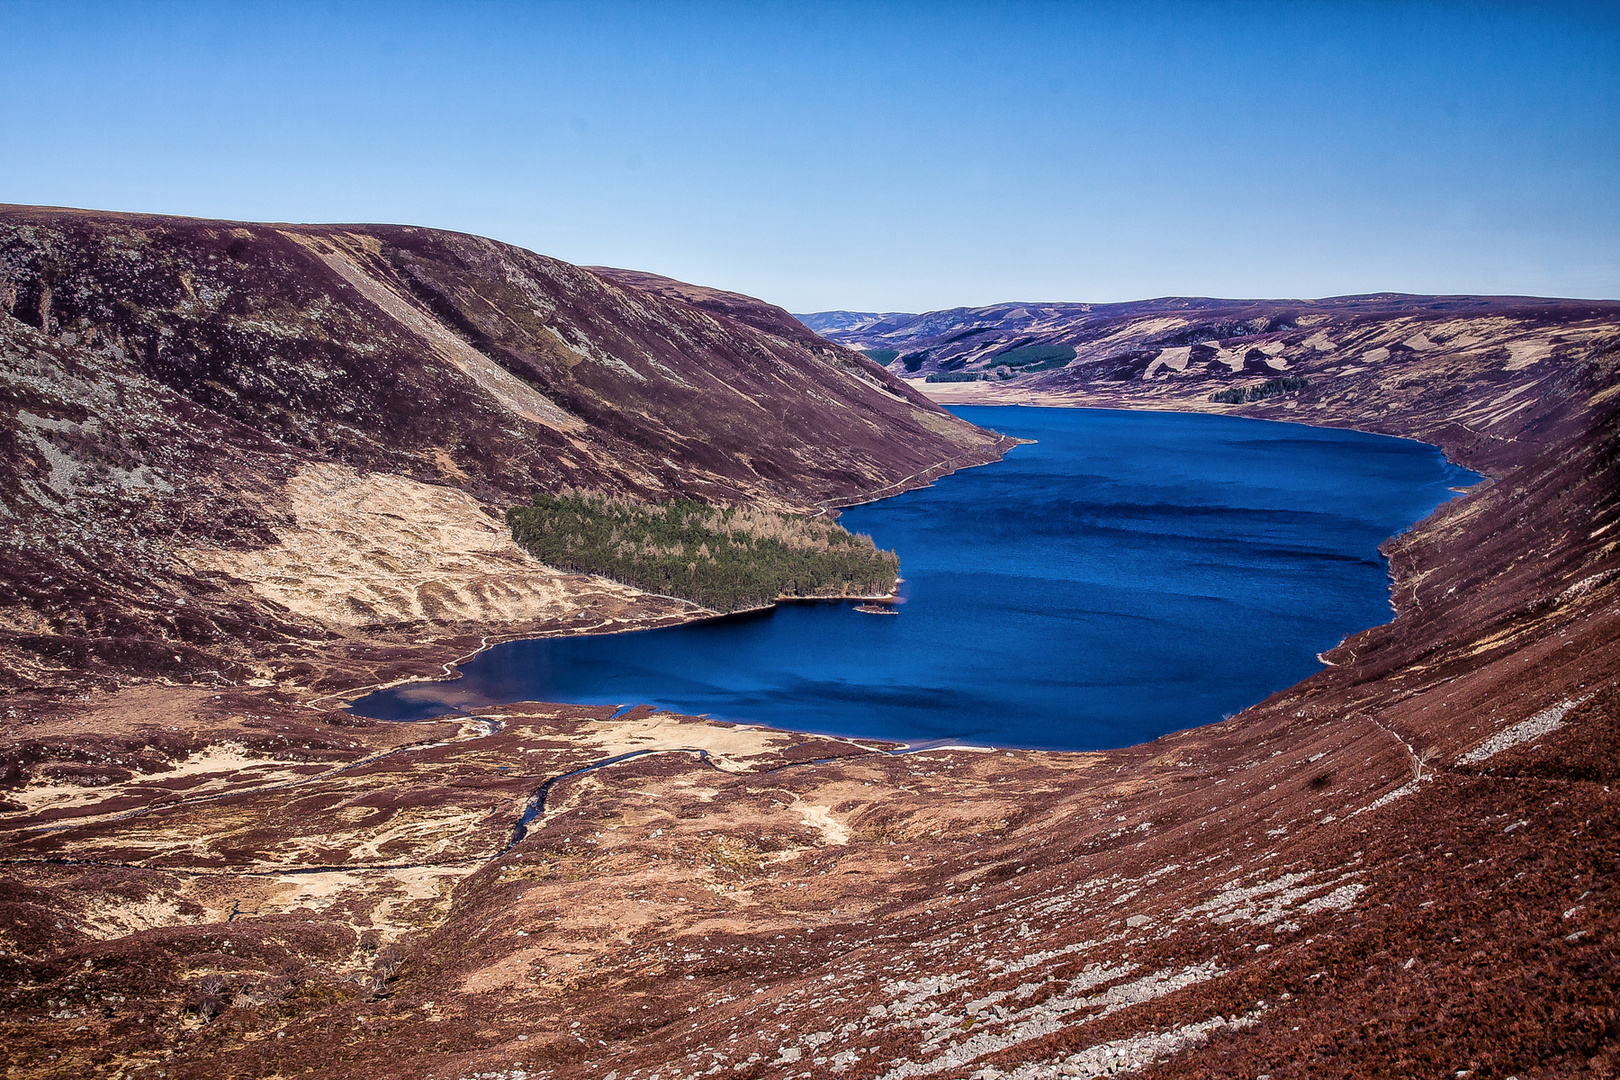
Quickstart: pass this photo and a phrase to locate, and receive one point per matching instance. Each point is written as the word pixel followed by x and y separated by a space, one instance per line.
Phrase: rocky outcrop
pixel 172 391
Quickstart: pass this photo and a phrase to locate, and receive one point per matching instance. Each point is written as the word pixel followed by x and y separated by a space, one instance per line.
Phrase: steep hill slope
pixel 223 442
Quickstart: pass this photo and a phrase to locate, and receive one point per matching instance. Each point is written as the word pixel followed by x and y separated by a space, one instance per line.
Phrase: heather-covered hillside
pixel 223 442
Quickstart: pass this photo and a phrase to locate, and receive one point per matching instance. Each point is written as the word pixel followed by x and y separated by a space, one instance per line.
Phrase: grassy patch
pixel 738 856
pixel 724 558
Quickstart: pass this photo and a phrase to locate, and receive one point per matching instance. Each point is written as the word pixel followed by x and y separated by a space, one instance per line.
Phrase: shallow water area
pixel 1128 575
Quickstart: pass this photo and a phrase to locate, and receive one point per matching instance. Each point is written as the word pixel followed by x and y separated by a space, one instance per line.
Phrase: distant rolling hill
pixel 831 323
pixel 1460 371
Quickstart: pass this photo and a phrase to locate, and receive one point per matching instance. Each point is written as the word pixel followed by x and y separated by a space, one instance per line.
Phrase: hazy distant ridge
pixel 849 322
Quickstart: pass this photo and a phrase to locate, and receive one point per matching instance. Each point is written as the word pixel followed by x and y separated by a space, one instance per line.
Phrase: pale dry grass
pixel 372 548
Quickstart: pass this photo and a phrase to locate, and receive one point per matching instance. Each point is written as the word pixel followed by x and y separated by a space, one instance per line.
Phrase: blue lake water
pixel 1128 575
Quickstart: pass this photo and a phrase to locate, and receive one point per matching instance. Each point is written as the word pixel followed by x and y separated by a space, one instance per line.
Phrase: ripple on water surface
pixel 1128 575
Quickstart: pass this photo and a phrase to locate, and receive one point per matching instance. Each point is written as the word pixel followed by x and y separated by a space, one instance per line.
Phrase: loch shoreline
pixel 764 655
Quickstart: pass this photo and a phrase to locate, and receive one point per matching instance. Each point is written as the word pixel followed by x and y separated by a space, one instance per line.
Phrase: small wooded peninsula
pixel 726 558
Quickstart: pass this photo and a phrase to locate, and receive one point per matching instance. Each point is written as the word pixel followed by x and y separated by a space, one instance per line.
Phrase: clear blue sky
pixel 871 156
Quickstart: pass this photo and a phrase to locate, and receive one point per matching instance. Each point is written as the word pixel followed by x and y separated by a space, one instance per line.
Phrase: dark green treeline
pixel 1239 395
pixel 724 558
